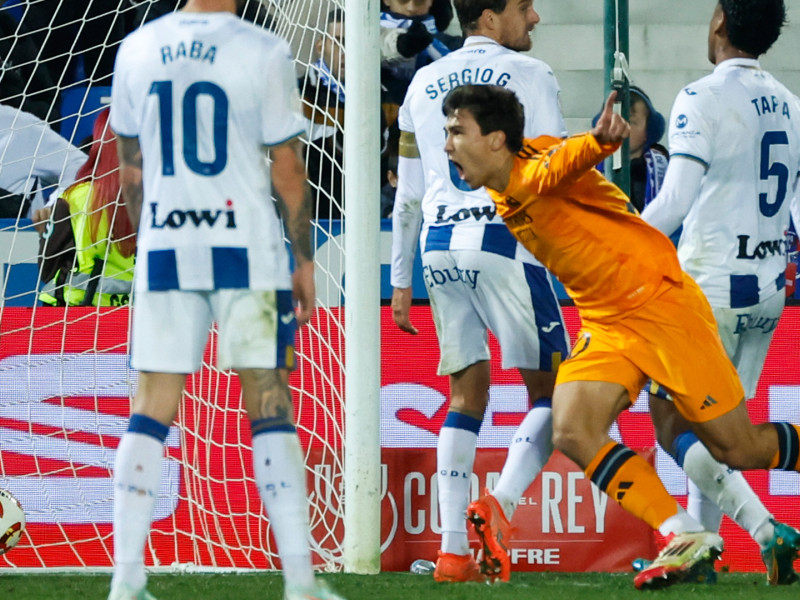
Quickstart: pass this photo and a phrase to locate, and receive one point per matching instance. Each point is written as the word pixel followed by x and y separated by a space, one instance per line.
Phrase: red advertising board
pixel 563 522
pixel 413 401
pixel 54 421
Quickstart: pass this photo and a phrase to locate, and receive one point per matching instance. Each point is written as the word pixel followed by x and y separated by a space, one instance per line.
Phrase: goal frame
pixel 362 521
pixel 360 545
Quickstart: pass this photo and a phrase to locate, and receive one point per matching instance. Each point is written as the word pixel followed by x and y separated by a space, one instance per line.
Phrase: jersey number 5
pixel 773 169
pixel 189 105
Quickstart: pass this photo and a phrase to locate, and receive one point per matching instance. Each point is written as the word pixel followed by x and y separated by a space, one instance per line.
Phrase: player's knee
pixel 568 439
pixel 666 440
pixel 736 457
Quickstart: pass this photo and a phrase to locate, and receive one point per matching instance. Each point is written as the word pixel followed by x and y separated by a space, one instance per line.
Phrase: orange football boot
pixel 494 530
pixel 456 568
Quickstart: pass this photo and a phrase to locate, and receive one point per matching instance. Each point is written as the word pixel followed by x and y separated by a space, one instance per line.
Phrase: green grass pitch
pixel 391 586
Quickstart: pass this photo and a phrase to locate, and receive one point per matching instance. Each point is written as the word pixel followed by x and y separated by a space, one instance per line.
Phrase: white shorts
pixel 473 291
pixel 170 329
pixel 746 334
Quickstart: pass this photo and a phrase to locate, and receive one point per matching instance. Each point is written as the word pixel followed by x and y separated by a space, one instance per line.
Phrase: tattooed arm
pixel 294 203
pixel 130 176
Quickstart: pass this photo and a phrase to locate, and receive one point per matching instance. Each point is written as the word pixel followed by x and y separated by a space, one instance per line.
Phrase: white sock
pixel 729 490
pixel 280 476
pixel 682 522
pixel 137 475
pixel 702 508
pixel 455 457
pixel 530 449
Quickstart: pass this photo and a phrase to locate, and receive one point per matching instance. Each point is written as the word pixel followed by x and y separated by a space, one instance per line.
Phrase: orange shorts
pixel 672 339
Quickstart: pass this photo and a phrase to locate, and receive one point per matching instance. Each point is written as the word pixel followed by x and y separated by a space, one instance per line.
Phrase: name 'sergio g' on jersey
pixel 448 201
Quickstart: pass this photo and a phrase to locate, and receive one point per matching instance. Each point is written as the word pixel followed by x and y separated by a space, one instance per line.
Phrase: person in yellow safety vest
pixel 88 244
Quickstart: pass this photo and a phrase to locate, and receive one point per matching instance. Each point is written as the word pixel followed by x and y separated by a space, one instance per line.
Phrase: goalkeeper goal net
pixel 65 381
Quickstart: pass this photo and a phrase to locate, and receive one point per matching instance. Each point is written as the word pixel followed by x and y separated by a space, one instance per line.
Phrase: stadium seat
pixel 79 107
pixel 14 8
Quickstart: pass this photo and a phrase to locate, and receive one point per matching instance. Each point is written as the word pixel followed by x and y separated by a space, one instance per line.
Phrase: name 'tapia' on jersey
pixel 734 236
pixel 204 94
pixel 454 215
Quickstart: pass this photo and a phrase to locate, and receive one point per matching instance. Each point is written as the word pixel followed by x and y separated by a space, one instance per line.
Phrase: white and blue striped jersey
pixel 454 217
pixel 743 126
pixel 205 94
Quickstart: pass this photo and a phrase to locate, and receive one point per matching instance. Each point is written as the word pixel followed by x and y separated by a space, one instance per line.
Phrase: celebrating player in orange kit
pixel 638 309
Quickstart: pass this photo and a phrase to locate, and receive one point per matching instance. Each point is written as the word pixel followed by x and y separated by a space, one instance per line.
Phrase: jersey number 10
pixel 163 89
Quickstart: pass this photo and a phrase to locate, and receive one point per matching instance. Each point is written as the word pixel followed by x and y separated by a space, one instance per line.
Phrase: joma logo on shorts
pixel 177 218
pixel 434 277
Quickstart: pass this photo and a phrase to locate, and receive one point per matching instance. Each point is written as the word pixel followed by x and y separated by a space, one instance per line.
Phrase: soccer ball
pixel 12 521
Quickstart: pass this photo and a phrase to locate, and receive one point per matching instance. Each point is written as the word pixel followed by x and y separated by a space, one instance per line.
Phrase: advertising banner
pixel 64 388
pixel 563 522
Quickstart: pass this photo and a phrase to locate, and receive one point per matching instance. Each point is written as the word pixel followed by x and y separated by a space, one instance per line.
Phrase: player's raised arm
pixel 294 202
pixel 611 128
pixel 562 165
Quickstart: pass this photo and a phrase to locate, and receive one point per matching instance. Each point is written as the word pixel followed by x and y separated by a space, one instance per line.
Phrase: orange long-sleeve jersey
pixel 583 228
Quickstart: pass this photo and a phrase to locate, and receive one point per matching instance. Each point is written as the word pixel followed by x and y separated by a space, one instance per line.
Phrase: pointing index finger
pixel 612 98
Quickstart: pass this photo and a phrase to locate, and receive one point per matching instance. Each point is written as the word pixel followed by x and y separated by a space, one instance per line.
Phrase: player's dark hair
pixel 336 16
pixel 754 25
pixel 494 108
pixel 469 11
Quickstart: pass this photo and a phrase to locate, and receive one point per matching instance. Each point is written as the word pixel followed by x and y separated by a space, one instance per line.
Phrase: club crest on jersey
pixel 177 218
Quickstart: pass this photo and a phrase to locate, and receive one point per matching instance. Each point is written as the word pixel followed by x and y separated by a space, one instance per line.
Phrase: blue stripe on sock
pixel 542 403
pixel 461 421
pixel 681 446
pixel 272 425
pixel 148 426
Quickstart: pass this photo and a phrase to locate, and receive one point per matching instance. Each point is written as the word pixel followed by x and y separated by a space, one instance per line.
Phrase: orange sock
pixel 787 457
pixel 627 478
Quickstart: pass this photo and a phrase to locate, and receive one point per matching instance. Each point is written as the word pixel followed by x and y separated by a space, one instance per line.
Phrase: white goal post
pixel 362 306
pixel 65 381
